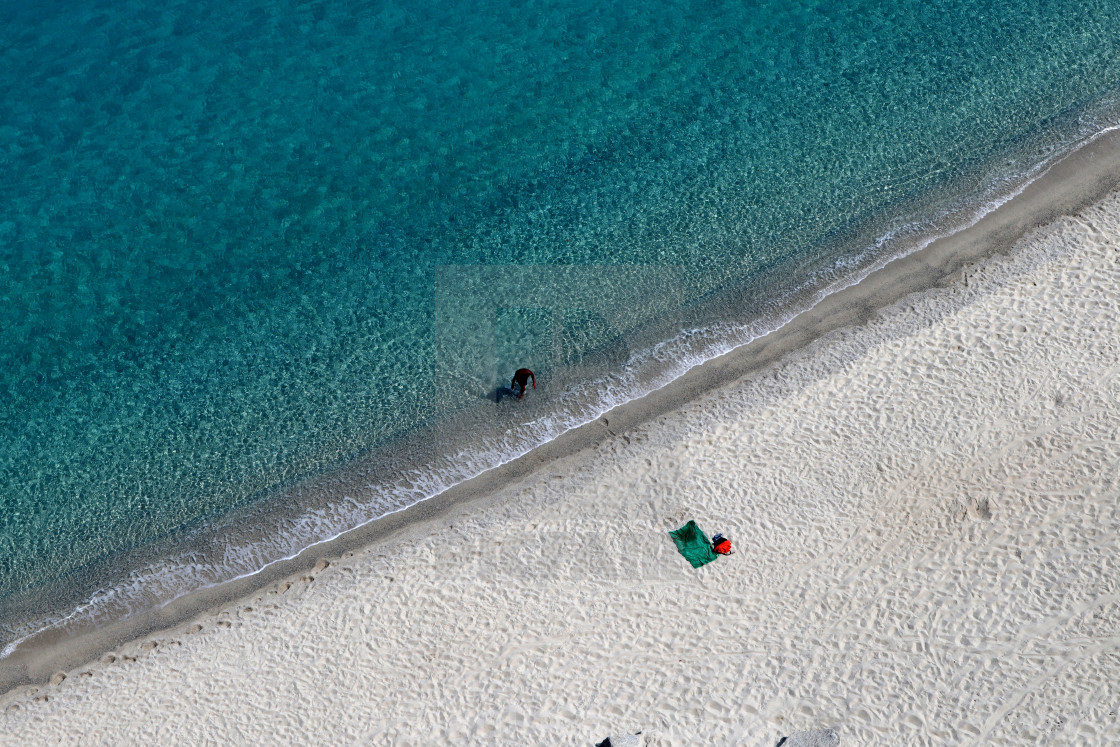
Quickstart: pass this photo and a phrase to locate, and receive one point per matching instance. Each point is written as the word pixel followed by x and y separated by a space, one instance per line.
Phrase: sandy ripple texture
pixel 925 514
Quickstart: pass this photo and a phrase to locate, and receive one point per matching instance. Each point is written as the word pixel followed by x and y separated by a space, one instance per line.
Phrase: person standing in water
pixel 520 378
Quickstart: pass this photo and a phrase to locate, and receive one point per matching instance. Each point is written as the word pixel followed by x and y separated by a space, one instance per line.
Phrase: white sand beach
pixel 924 509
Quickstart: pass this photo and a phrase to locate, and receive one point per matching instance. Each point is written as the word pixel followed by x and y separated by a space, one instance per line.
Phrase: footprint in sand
pixel 58 678
pixel 980 508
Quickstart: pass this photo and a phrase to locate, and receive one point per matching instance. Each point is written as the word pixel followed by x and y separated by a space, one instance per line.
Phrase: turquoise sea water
pixel 252 249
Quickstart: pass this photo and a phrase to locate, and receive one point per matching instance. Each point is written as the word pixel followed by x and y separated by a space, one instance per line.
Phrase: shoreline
pixel 1078 180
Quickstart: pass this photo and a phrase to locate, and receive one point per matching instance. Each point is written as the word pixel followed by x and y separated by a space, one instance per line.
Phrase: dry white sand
pixel 925 511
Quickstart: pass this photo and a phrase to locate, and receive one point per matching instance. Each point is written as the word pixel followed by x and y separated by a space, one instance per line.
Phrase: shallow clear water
pixel 245 245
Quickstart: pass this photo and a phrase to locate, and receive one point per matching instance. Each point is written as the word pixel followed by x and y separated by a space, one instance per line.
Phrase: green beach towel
pixel 693 544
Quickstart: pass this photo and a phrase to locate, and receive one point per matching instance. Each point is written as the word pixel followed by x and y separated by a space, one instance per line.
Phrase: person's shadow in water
pixel 503 391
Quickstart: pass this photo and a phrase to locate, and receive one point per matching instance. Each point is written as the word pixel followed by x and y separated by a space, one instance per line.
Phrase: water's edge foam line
pixel 1062 186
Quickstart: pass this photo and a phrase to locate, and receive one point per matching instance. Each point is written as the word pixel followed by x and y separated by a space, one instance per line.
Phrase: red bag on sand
pixel 723 547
